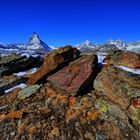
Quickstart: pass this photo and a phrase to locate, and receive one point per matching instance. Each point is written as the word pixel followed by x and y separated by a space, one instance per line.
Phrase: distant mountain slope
pixel 106 48
pixel 134 46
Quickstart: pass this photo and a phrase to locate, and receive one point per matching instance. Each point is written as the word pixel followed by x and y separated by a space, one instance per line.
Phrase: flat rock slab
pixel 28 91
pixel 75 77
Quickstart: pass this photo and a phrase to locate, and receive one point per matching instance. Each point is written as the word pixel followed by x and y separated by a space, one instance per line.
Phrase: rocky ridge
pixel 72 96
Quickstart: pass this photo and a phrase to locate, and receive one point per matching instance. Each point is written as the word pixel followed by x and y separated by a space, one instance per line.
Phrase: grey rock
pixel 28 91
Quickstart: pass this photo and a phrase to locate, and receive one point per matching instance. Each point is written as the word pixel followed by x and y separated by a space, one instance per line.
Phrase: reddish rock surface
pixel 52 61
pixel 117 85
pixel 129 59
pixel 134 112
pixel 76 76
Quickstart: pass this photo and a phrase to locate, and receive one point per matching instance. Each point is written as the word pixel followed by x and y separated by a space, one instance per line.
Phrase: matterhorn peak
pixel 34 39
pixel 35 43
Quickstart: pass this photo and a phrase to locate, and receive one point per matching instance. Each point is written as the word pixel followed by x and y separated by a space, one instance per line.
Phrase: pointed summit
pixel 35 43
pixel 34 39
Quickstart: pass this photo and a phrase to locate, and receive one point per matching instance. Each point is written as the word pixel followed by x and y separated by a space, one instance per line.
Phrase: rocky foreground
pixel 70 97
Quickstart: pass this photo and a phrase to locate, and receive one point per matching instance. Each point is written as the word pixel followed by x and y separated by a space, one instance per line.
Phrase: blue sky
pixel 61 22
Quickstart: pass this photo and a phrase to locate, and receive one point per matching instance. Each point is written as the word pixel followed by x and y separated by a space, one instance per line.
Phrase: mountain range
pixel 109 46
pixel 36 46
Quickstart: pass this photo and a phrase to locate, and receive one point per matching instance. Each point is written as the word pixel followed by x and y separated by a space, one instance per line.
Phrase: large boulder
pixel 129 59
pixel 112 113
pixel 54 60
pixel 15 63
pixel 75 77
pixel 118 85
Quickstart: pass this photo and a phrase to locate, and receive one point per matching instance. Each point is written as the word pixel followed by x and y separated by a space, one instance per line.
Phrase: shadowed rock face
pixel 54 60
pixel 117 85
pixel 76 76
pixel 129 59
pixel 16 63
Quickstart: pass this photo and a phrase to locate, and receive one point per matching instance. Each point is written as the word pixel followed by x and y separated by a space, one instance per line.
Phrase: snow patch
pixel 22 73
pixel 35 55
pixel 101 57
pixel 25 54
pixel 135 71
pixel 22 86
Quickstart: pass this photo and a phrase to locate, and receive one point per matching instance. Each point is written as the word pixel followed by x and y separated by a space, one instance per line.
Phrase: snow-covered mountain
pixel 34 46
pixel 118 43
pixel 35 43
pixel 86 46
pixel 106 48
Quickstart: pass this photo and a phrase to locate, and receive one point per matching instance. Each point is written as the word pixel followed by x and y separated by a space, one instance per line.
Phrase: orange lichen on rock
pixel 32 129
pixel 73 114
pixel 72 100
pixel 2 117
pixel 92 115
pixel 50 92
pixel 21 127
pixel 15 114
pixel 12 115
pixel 63 99
pixel 54 132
